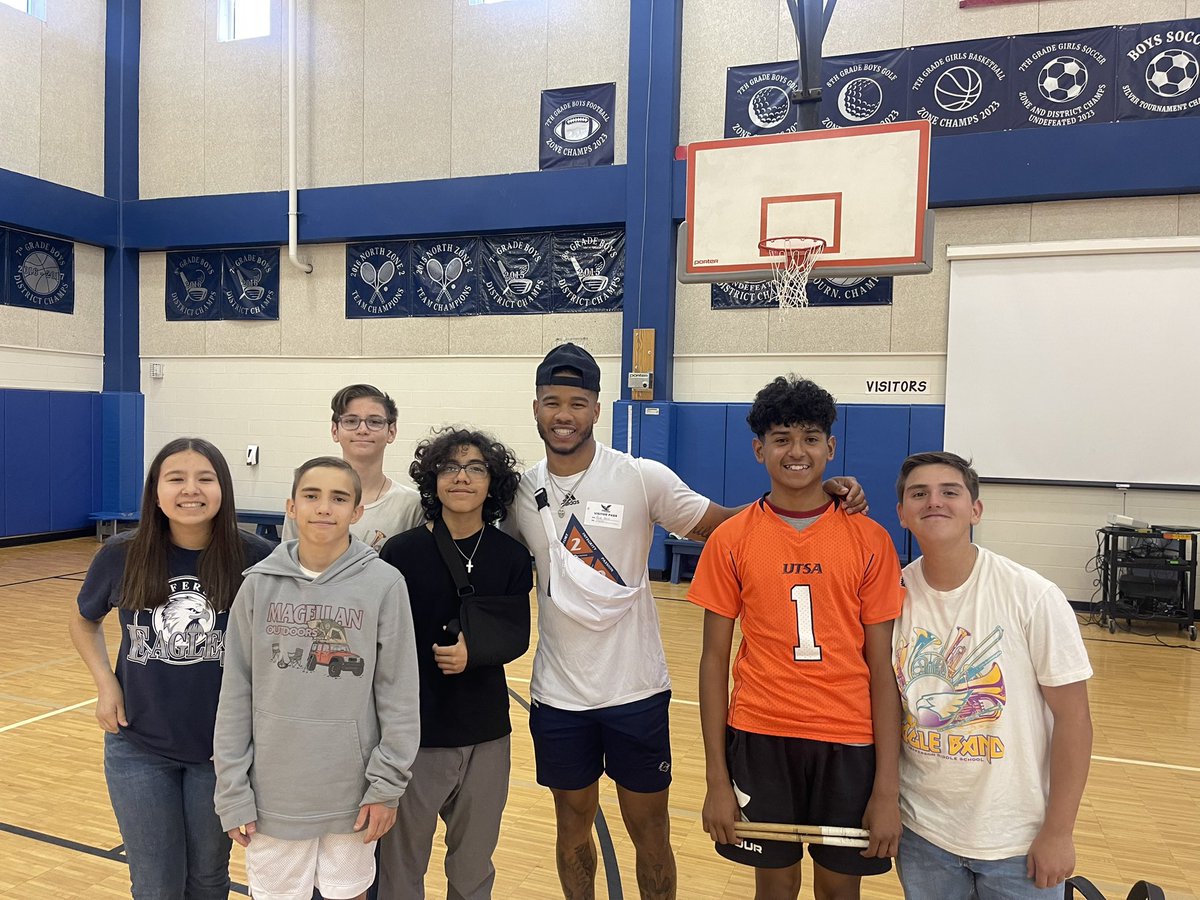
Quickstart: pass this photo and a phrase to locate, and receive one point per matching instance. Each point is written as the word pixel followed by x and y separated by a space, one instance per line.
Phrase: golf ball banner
pixel 577 126
pixel 194 286
pixel 378 280
pixel 758 99
pixel 961 88
pixel 872 291
pixel 515 274
pixel 1047 80
pixel 39 272
pixel 1158 70
pixel 1063 79
pixel 865 90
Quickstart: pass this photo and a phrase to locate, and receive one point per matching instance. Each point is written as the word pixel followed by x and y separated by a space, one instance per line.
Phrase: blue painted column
pixel 122 404
pixel 655 54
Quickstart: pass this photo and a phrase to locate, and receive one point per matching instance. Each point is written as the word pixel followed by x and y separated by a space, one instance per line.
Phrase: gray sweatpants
pixel 467 787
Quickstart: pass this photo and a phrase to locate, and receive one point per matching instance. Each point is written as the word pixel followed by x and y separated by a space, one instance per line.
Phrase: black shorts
pixel 795 781
pixel 631 742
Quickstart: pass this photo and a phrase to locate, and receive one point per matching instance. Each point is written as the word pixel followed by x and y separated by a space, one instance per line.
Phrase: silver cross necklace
pixel 470 564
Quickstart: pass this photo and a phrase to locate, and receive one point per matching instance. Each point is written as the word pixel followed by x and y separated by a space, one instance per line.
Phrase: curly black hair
pixel 439 448
pixel 791 401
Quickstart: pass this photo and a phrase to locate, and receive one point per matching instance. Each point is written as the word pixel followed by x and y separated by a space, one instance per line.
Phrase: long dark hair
pixel 144 584
pixel 442 446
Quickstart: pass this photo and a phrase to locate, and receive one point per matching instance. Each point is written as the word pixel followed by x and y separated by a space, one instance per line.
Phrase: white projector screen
pixel 1076 362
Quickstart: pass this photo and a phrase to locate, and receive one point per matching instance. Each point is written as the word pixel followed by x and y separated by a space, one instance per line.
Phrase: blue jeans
pixel 173 838
pixel 927 872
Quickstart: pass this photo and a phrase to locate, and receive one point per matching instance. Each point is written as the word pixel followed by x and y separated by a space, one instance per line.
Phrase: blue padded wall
pixel 658 432
pixel 27 442
pixel 926 429
pixel 876 444
pixel 4 457
pixel 73 459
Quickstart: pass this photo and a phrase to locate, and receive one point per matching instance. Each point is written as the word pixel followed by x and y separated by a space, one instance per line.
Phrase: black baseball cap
pixel 583 372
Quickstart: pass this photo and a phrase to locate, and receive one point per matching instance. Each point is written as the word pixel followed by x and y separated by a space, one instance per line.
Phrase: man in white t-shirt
pixel 997 735
pixel 600 687
pixel 364 423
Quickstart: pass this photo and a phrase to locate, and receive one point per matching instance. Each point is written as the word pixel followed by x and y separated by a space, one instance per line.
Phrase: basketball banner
pixel 378 283
pixel 193 286
pixel 864 90
pixel 40 272
pixel 1064 78
pixel 758 99
pixel 250 283
pixel 588 271
pixel 577 126
pixel 874 291
pixel 444 277
pixel 1158 70
pixel 515 273
pixel 960 88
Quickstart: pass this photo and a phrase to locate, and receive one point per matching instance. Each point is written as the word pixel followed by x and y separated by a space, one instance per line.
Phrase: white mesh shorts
pixel 338 865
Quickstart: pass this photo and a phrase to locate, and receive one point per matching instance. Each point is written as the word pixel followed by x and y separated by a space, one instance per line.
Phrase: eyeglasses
pixel 473 470
pixel 373 423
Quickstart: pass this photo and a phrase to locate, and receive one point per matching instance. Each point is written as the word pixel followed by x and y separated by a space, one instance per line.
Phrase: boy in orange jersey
pixel 811 732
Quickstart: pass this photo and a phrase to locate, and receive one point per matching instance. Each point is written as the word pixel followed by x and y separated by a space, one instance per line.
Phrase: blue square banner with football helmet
pixel 515 273
pixel 758 99
pixel 1158 70
pixel 960 88
pixel 1064 78
pixel 250 283
pixel 193 291
pixel 378 284
pixel 870 89
pixel 444 277
pixel 589 271
pixel 577 126
pixel 40 272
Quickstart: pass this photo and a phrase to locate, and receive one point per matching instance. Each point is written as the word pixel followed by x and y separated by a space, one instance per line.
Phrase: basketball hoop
pixel 792 260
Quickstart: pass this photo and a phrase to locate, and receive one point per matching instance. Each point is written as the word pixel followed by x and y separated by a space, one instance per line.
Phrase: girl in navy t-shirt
pixel 172 582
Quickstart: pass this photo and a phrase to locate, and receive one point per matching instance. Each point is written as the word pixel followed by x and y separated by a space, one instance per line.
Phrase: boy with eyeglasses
pixel 467 627
pixel 364 423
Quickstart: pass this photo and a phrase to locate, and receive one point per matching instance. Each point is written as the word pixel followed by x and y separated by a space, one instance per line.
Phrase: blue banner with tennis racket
pixel 758 99
pixel 444 277
pixel 515 273
pixel 194 286
pixel 378 282
pixel 577 126
pixel 250 283
pixel 589 271
pixel 39 272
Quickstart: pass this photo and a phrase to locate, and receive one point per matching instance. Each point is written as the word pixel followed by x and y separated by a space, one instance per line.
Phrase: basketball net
pixel 792 260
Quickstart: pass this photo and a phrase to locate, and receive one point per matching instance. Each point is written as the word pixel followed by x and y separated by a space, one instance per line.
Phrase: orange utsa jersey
pixel 803 598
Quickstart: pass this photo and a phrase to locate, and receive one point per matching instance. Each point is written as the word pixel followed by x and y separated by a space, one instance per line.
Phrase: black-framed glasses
pixel 352 423
pixel 473 470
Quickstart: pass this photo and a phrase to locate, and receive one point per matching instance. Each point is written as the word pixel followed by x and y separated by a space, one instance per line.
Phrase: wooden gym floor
pixel 58 836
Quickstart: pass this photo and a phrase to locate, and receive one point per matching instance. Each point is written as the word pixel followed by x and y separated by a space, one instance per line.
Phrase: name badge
pixel 605 515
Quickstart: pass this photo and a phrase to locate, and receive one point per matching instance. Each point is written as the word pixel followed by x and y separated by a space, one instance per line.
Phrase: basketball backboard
pixel 863 190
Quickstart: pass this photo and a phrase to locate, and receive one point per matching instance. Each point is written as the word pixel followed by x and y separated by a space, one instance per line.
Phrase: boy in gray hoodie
pixel 318 722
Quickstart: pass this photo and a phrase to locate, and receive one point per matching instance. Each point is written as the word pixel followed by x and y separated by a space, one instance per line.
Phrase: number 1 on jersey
pixel 806 649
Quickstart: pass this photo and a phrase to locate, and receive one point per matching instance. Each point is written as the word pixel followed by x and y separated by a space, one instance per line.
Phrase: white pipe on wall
pixel 293 211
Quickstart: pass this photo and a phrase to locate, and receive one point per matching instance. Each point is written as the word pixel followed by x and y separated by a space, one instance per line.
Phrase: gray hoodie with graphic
pixel 319 710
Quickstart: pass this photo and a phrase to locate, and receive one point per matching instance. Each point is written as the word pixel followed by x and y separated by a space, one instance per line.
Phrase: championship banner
pixel 193 291
pixel 960 88
pixel 870 89
pixel 1158 70
pixel 377 281
pixel 250 283
pixel 515 274
pixel 1064 78
pixel 589 271
pixel 873 291
pixel 577 126
pixel 758 99
pixel 444 278
pixel 40 272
